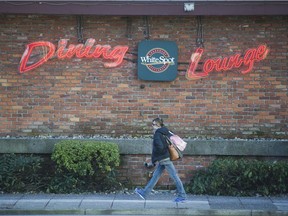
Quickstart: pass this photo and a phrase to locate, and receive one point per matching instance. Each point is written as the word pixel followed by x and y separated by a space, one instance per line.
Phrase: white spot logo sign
pixel 157 60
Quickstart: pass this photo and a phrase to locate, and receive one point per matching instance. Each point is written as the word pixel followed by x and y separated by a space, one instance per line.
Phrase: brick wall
pixel 81 97
pixel 132 172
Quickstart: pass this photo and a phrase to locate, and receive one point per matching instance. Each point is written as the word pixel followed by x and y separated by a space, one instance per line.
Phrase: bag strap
pixel 171 133
pixel 167 140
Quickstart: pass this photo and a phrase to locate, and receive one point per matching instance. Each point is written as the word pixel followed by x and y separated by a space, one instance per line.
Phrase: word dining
pixel 114 56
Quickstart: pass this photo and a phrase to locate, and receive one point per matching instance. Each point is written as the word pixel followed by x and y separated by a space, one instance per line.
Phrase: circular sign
pixel 159 60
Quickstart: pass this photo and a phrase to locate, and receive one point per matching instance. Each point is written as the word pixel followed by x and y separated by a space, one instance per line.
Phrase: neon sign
pixel 114 57
pixel 48 50
pixel 227 63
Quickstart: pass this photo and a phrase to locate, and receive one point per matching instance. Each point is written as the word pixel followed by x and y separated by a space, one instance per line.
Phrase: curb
pixel 168 211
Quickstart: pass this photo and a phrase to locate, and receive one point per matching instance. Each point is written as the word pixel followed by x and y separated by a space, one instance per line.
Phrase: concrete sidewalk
pixel 131 204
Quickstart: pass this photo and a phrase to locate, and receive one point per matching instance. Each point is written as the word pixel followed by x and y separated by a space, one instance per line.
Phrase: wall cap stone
pixel 236 147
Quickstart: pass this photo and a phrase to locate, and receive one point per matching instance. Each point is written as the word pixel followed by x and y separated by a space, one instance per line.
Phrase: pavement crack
pixel 80 203
pixel 240 201
pixel 18 200
pixel 113 202
pixel 49 201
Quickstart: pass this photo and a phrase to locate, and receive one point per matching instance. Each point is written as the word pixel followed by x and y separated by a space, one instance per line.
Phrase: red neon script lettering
pixel 27 53
pixel 195 58
pixel 227 63
pixel 114 56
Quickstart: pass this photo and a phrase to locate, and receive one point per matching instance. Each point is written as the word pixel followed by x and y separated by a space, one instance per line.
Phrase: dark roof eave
pixel 128 8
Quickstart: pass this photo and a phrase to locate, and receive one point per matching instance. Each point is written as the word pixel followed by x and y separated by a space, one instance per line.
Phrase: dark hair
pixel 159 121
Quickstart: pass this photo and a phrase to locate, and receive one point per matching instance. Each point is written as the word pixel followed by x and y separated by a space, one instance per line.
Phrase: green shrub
pixel 83 166
pixel 86 157
pixel 241 177
pixel 20 173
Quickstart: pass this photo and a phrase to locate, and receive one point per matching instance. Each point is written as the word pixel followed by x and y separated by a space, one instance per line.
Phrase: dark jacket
pixel 160 147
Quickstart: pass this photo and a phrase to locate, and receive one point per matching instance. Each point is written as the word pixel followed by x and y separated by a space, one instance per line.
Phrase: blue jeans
pixel 168 165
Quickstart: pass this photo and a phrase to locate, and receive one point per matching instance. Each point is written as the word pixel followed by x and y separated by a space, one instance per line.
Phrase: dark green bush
pixel 66 183
pixel 241 177
pixel 73 183
pixel 19 173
